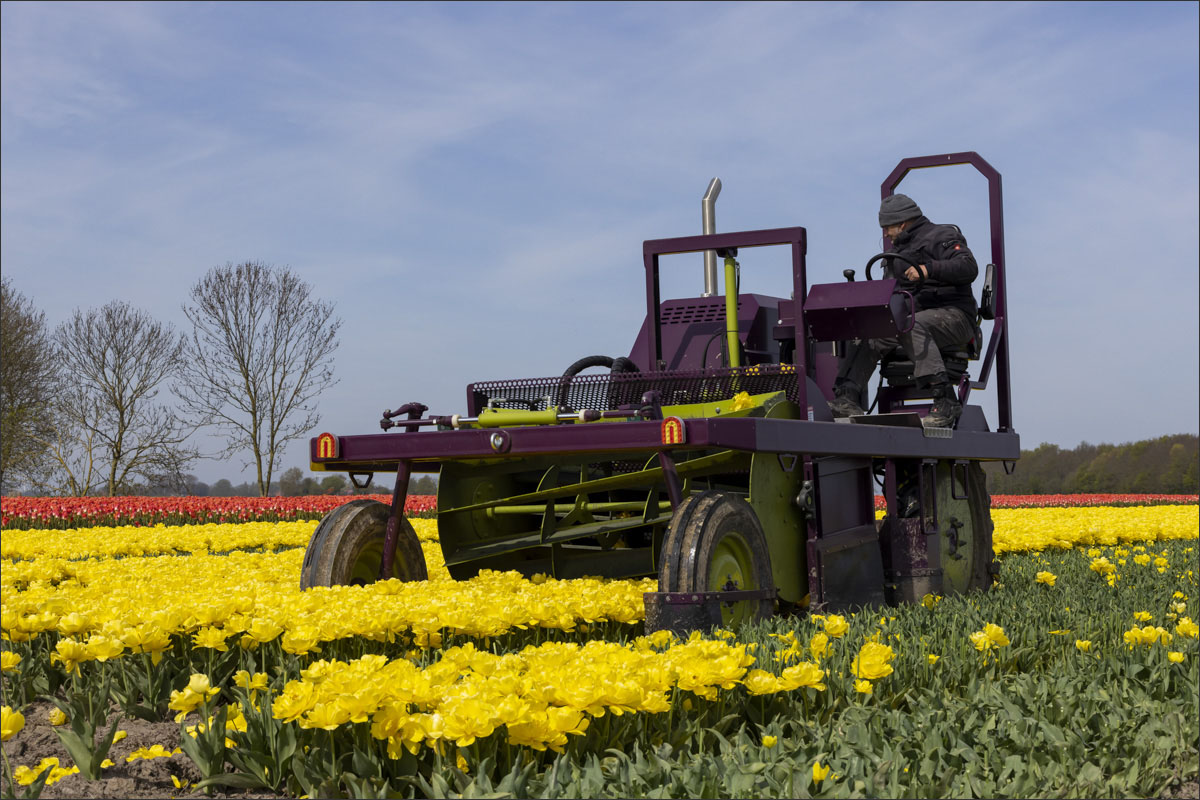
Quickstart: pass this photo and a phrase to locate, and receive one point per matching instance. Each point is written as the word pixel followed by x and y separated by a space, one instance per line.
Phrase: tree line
pixel 1166 465
pixel 84 407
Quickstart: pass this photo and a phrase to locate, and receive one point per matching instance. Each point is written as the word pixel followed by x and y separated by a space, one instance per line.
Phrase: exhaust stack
pixel 708 219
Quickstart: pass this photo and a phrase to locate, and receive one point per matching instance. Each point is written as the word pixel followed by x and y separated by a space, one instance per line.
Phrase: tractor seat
pixel 897 368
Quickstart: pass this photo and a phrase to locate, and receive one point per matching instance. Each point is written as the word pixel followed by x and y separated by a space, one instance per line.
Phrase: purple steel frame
pixel 997 349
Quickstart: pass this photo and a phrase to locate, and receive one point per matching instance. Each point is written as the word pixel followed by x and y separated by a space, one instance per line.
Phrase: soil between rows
pixel 143 778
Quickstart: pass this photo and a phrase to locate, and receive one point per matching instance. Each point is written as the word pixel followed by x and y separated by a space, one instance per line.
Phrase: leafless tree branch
pixel 260 351
pixel 118 358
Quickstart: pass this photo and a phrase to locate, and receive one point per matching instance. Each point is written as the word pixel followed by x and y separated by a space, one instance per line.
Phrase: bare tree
pixel 73 449
pixel 260 352
pixel 28 384
pixel 118 358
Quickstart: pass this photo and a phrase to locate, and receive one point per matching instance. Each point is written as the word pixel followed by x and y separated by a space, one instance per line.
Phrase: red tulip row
pixel 84 512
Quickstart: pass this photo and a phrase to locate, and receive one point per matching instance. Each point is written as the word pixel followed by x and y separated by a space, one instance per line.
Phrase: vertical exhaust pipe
pixel 708 219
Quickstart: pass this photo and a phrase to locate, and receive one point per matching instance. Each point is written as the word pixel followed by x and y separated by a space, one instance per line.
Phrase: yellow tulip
pixel 804 675
pixel 211 639
pixel 873 661
pixel 71 654
pixel 996 634
pixel 818 646
pixel 11 723
pixel 761 682
pixel 836 626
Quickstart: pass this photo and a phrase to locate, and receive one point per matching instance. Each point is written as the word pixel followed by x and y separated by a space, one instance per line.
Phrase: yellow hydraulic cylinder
pixel 505 417
pixel 731 312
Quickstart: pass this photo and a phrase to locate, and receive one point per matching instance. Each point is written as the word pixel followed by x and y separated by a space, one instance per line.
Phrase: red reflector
pixel 327 446
pixel 673 431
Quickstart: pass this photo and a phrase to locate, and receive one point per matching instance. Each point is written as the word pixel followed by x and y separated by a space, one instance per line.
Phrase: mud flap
pixel 916 559
pixel 851 568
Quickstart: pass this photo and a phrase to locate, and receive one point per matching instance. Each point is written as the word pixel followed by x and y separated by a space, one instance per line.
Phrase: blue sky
pixel 471 183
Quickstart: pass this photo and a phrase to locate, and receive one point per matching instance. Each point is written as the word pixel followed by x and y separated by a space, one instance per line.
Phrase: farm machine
pixel 708 456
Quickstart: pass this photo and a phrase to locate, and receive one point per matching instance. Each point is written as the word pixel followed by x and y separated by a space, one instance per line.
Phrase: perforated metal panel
pixel 611 391
pixel 700 311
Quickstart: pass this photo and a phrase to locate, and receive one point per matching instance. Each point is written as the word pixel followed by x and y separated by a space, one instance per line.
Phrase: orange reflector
pixel 327 446
pixel 673 431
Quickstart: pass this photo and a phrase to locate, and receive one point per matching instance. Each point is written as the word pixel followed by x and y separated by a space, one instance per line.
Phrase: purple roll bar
pixel 997 349
pixel 796 237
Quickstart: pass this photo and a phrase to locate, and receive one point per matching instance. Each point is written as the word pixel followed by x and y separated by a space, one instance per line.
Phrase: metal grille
pixel 610 391
pixel 712 311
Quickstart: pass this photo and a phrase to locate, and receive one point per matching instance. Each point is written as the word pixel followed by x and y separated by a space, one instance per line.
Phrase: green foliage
pixel 263 757
pixel 207 748
pixel 140 687
pixel 87 712
pixel 1167 465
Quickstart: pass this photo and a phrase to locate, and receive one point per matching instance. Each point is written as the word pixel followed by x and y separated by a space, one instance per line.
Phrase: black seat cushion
pixel 898 370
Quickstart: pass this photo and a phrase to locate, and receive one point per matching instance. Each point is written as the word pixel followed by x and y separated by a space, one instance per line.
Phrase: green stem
pixel 8 774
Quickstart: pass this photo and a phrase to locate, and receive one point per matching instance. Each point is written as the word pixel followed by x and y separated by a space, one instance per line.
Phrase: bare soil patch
pixel 136 779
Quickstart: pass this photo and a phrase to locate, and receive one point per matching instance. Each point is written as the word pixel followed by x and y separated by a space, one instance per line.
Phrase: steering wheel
pixel 915 285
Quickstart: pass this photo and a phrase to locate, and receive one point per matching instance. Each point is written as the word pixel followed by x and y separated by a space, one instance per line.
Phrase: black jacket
pixel 943 250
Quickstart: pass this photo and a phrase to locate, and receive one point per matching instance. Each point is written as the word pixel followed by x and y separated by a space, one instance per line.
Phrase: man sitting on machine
pixel 945 312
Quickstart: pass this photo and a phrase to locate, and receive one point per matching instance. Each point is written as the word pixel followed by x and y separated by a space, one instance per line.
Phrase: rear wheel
pixel 715 543
pixel 964 527
pixel 347 548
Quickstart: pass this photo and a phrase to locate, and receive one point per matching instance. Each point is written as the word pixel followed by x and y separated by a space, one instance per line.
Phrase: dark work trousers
pixel 932 328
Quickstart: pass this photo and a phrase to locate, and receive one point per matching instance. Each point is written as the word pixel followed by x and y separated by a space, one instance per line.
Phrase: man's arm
pixel 955 264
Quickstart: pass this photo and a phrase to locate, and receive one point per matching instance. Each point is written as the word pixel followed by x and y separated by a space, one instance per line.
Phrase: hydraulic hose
pixel 615 365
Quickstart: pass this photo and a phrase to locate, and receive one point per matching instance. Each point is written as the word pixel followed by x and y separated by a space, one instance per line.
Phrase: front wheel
pixel 713 544
pixel 346 549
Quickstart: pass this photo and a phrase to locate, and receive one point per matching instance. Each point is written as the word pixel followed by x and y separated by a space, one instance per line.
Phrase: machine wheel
pixel 715 543
pixel 965 528
pixel 347 548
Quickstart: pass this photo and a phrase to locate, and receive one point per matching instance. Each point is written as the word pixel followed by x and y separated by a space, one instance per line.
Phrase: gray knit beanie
pixel 896 209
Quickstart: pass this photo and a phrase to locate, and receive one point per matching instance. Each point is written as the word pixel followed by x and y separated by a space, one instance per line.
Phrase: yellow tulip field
pixel 1075 675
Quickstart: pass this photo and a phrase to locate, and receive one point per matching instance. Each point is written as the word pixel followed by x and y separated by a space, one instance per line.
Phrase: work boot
pixel 946 409
pixel 845 401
